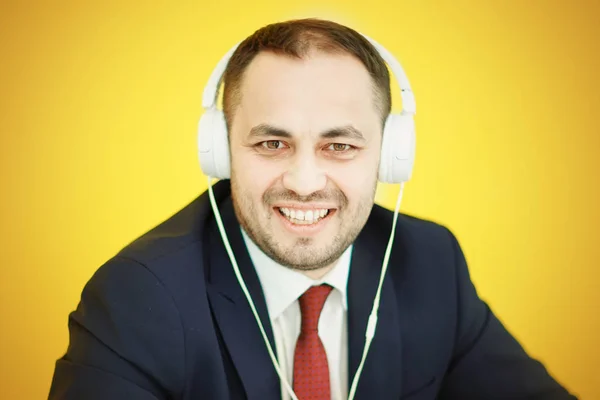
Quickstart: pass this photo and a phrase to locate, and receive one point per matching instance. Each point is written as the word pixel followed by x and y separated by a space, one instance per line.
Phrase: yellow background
pixel 99 105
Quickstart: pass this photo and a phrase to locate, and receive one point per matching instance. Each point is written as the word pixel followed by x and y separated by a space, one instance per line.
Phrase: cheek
pixel 358 188
pixel 252 175
pixel 356 178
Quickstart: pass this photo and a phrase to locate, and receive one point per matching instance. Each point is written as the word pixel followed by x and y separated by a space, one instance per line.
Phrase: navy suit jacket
pixel 166 319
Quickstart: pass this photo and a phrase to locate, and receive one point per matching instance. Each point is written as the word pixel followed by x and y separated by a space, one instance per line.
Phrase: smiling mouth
pixel 305 217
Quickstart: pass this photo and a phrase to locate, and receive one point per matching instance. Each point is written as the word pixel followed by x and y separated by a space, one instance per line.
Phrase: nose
pixel 304 175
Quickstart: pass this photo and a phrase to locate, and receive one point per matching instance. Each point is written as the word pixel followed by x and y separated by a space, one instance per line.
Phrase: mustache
pixel 274 195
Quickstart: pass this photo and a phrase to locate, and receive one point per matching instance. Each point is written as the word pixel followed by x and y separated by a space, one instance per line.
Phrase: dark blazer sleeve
pixel 488 363
pixel 126 339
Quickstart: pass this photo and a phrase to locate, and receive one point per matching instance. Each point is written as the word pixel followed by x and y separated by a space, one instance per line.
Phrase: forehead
pixel 316 92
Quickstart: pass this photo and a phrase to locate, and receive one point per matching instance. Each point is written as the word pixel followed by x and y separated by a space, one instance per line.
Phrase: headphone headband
pixel 398 141
pixel 409 107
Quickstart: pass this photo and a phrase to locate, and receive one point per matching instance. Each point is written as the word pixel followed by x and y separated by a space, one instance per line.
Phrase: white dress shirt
pixel 282 287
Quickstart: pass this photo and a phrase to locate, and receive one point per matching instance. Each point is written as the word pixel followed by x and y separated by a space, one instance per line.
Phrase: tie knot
pixel 311 304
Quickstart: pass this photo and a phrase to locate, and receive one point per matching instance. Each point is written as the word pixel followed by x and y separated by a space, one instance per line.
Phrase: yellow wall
pixel 99 105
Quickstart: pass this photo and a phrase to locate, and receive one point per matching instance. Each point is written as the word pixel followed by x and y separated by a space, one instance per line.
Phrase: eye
pixel 339 147
pixel 272 144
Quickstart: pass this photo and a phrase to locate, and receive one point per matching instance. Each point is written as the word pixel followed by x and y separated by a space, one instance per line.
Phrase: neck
pixel 318 273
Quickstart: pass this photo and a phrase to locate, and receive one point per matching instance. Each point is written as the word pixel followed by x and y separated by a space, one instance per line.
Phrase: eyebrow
pixel 347 131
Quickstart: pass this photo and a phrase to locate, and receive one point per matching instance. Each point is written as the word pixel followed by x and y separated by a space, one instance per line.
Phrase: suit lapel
pixel 232 312
pixel 381 377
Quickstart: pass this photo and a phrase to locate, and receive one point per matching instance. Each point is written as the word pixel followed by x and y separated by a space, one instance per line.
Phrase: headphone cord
pixel 372 324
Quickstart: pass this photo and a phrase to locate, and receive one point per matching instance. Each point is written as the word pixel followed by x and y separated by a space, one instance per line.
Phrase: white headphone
pixel 397 146
pixel 397 159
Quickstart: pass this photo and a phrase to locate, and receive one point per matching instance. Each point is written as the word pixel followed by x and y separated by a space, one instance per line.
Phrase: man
pixel 305 102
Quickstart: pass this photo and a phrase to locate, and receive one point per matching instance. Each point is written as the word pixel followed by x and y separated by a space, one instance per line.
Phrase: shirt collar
pixel 282 285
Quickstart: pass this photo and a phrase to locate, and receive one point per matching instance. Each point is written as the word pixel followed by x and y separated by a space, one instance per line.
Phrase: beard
pixel 302 253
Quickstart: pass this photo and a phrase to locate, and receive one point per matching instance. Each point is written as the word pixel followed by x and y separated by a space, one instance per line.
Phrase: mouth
pixel 305 218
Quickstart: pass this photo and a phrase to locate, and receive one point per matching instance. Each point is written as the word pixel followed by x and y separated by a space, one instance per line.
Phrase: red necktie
pixel 311 371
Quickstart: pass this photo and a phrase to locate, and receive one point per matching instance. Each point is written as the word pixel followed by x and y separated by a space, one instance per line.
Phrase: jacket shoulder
pixel 412 230
pixel 181 232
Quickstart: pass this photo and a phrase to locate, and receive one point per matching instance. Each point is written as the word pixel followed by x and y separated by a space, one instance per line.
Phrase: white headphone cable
pixel 245 289
pixel 371 325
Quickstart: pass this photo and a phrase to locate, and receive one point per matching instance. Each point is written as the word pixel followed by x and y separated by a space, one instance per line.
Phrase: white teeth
pixel 304 217
pixel 308 216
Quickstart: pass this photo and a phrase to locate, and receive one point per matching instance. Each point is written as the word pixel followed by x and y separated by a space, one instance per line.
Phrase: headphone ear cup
pixel 397 149
pixel 213 145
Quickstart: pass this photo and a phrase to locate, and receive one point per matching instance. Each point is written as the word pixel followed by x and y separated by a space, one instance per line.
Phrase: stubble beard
pixel 305 254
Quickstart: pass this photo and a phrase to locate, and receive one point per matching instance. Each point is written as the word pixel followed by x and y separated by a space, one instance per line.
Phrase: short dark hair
pixel 296 38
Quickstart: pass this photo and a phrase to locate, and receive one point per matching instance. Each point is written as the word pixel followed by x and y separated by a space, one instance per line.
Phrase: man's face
pixel 305 144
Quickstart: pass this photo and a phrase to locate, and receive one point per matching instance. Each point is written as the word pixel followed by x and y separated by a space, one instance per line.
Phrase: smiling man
pixel 305 142
pixel 305 103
